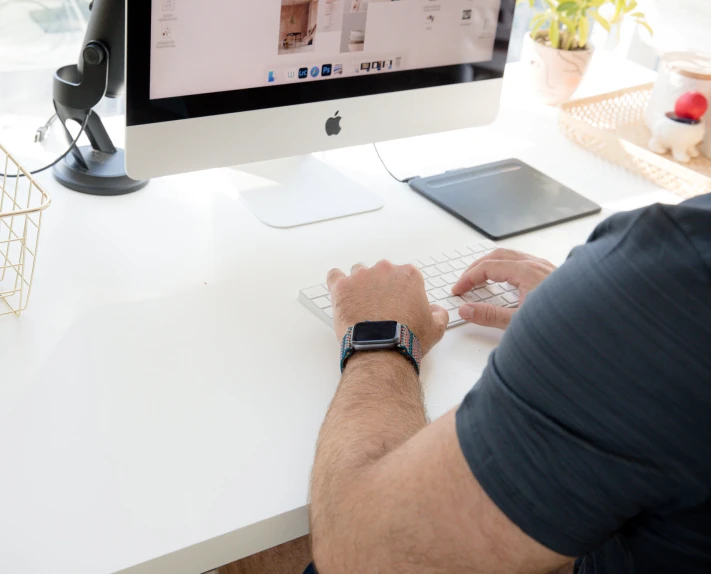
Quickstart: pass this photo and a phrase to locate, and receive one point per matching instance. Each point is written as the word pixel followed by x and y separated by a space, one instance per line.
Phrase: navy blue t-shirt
pixel 591 426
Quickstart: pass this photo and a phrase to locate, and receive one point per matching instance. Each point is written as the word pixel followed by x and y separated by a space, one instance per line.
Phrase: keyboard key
pixel 329 312
pixel 471 297
pixel 456 301
pixel 329 297
pixel 427 261
pixel 418 264
pixel 507 286
pixel 431 298
pixel 488 244
pixel 322 302
pixel 431 271
pixel 464 251
pixel 448 290
pixel 451 254
pixel 446 304
pixel 438 294
pixel 458 273
pixel 495 289
pixel 445 267
pixel 468 260
pixel 515 292
pixel 510 298
pixel 315 292
pixel 436 282
pixel 478 249
pixel 450 278
pixel 439 258
pixel 458 264
pixel 489 282
pixel 482 293
pixel 497 301
pixel 428 285
pixel 454 315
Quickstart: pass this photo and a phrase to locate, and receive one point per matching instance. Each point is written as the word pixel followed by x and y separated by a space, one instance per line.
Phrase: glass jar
pixel 679 72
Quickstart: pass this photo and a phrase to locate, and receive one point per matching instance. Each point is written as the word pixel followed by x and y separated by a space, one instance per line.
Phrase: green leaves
pixel 554 33
pixel 583 31
pixel 568 21
pixel 619 7
pixel 570 5
pixel 539 20
pixel 569 36
pixel 646 26
pixel 623 7
pixel 641 19
pixel 600 20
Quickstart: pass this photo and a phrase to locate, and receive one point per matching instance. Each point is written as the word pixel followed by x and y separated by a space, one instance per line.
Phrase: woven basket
pixel 613 127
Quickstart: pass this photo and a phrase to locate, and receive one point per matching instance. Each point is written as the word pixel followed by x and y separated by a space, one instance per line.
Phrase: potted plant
pixel 558 52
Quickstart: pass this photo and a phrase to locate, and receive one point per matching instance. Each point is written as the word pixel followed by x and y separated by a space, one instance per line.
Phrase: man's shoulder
pixel 693 217
pixel 658 240
pixel 644 275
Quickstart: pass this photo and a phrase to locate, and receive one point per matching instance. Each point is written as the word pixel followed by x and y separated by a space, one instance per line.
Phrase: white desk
pixel 160 399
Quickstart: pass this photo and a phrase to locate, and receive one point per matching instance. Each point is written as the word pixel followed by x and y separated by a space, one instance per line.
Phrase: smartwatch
pixel 378 336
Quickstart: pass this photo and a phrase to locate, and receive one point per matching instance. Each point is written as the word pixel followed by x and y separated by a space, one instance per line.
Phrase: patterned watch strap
pixel 347 349
pixel 409 347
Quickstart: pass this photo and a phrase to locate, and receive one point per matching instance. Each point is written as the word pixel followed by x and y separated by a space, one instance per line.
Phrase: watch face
pixel 375 331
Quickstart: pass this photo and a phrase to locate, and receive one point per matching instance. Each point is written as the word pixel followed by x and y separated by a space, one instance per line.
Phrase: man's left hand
pixel 386 292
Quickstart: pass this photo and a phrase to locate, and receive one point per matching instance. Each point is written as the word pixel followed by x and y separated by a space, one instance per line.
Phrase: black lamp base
pixel 106 174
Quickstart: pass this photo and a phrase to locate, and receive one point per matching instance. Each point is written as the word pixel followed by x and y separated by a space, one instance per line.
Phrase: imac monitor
pixel 214 83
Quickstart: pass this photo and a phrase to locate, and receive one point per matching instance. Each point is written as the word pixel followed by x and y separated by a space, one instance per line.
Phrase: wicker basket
pixel 22 203
pixel 613 127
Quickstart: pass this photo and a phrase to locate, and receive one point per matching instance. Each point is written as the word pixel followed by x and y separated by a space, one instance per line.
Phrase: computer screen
pixel 209 46
pixel 211 83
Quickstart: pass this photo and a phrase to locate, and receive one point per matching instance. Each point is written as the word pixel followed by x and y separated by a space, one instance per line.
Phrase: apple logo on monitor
pixel 333 125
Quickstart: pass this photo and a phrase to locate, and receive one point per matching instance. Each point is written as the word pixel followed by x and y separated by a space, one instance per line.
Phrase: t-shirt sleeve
pixel 594 407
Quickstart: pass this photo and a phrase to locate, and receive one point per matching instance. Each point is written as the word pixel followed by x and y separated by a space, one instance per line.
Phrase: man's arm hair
pixel 392 494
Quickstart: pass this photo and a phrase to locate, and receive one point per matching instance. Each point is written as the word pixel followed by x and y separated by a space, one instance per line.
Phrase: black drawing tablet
pixel 504 198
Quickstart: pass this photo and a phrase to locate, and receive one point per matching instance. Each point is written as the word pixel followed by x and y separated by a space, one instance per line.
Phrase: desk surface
pixel 145 422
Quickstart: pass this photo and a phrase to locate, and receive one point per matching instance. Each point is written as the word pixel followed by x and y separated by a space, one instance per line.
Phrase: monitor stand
pixel 301 190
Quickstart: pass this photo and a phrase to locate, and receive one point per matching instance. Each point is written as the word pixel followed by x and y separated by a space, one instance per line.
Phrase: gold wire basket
pixel 613 127
pixel 22 203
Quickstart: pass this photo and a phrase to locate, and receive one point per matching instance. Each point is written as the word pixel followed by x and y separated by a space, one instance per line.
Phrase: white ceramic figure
pixel 679 137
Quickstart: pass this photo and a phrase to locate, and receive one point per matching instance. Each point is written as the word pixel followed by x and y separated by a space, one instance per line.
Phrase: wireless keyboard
pixel 441 272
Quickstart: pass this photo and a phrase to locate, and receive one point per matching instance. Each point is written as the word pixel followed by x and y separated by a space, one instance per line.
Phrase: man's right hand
pixel 525 272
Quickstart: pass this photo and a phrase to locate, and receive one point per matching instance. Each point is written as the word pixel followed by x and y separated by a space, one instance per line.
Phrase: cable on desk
pixel 60 158
pixel 406 180
pixel 41 132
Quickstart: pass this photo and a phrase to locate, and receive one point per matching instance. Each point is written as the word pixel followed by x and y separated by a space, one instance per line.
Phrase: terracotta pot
pixel 555 74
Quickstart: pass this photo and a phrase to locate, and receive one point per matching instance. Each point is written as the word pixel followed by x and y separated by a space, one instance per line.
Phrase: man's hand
pixel 386 292
pixel 523 271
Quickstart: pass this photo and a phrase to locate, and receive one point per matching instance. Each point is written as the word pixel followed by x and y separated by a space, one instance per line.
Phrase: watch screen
pixel 375 331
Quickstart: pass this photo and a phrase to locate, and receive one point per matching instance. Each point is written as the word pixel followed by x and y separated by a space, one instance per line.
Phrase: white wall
pixel 681 24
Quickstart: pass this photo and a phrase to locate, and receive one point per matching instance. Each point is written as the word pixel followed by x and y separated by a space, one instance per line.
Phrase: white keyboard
pixel 441 272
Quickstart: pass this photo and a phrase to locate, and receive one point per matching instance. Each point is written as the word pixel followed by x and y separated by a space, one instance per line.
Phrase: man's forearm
pixel 378 406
